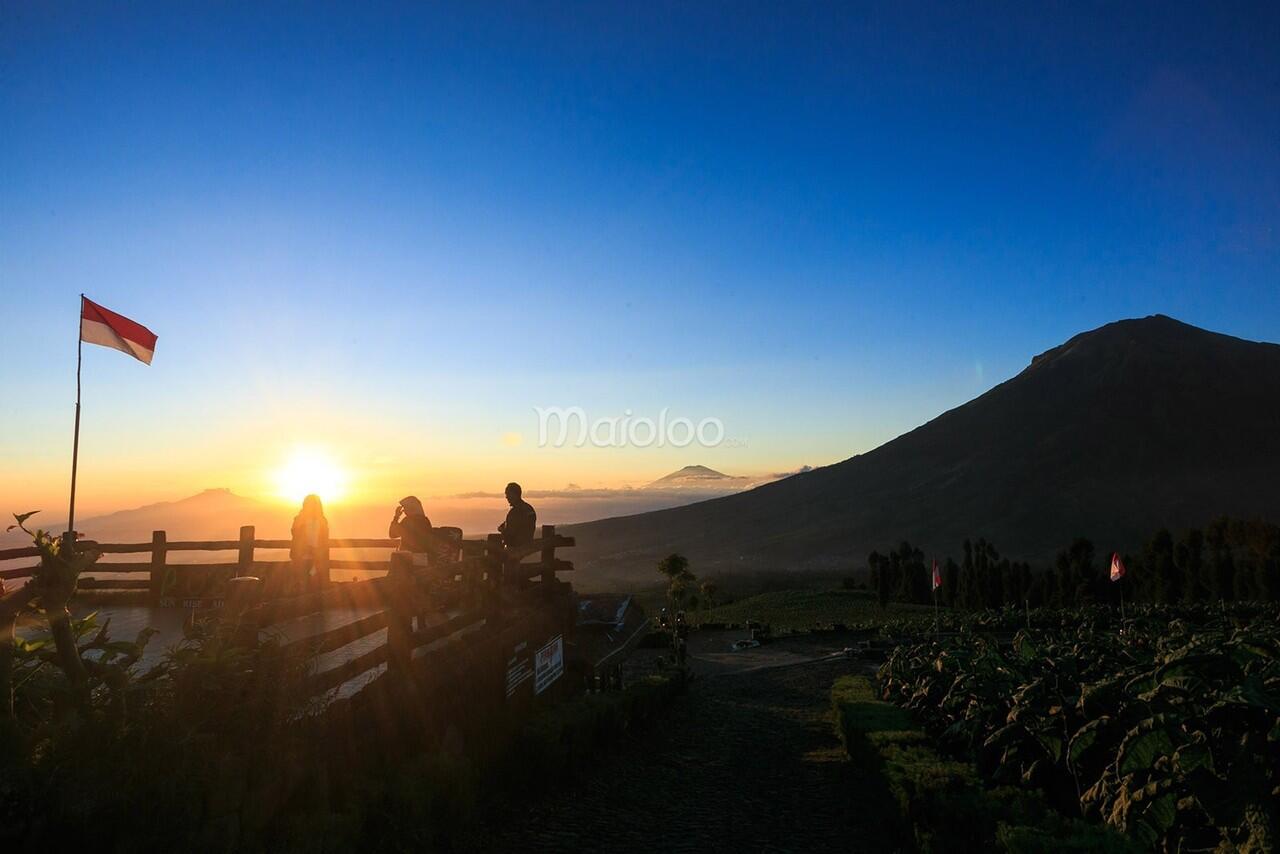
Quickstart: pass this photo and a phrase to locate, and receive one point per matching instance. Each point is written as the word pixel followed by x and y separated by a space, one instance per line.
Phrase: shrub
pixel 560 740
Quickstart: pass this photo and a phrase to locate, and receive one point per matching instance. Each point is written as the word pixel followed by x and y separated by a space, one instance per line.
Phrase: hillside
pixel 1123 429
pixel 212 514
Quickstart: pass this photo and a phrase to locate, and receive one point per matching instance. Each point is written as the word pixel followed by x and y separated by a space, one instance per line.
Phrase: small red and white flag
pixel 937 575
pixel 102 326
pixel 1117 567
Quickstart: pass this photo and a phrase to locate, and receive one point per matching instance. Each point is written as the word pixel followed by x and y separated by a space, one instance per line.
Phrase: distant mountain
pixel 214 514
pixel 1121 430
pixel 699 477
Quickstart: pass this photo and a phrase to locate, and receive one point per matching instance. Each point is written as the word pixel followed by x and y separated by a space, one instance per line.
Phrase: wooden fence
pixel 488 605
pixel 166 582
pixel 490 600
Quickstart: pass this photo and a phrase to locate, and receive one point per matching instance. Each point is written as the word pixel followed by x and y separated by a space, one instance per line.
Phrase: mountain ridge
pixel 1138 424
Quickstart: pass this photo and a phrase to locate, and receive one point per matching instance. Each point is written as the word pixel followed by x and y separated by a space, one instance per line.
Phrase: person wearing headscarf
pixel 411 526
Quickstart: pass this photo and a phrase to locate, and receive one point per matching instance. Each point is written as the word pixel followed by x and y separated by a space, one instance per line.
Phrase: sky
pixel 385 234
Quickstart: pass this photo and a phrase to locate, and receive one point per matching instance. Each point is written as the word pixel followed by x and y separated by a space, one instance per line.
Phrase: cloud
pixel 681 494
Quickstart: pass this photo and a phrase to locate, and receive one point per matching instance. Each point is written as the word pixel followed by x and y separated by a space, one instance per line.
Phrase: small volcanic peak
pixel 694 475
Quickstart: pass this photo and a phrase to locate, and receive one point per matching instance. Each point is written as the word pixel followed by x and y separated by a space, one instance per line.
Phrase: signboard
pixel 519 668
pixel 190 604
pixel 194 586
pixel 548 665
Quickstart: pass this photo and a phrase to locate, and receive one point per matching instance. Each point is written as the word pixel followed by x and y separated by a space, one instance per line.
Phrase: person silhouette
pixel 411 526
pixel 308 547
pixel 521 519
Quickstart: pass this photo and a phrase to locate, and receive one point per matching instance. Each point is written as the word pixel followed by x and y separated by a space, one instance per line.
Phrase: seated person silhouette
pixel 521 519
pixel 411 526
pixel 426 545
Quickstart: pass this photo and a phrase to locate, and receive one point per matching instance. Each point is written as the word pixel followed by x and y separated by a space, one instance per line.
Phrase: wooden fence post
pixel 245 561
pixel 498 561
pixel 157 566
pixel 399 604
pixel 548 555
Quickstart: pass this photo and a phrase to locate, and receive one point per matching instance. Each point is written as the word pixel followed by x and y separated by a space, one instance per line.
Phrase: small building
pixel 609 627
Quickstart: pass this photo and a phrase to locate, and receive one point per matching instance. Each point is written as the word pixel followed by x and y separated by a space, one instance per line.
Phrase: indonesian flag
pixel 102 326
pixel 937 575
pixel 1117 567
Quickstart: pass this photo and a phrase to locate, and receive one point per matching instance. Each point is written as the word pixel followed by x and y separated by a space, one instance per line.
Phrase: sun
pixel 310 470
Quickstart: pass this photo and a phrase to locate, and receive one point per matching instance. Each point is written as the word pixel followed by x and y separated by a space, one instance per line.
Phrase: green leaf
pixel 30 646
pixel 1082 741
pixel 1052 744
pixel 22 517
pixel 1192 756
pixel 1161 813
pixel 1005 736
pixel 1140 750
pixel 1097 734
pixel 1191 670
pixel 1140 684
pixel 1026 650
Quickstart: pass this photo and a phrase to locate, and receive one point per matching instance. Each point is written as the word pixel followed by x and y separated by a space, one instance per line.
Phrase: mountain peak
pixel 1156 341
pixel 1140 424
pixel 701 471
pixel 699 476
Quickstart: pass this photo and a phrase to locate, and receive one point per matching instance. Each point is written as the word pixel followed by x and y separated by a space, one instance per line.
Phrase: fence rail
pixel 164 574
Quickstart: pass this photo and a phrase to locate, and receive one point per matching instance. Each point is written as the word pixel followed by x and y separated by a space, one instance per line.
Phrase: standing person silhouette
pixel 308 548
pixel 411 526
pixel 521 519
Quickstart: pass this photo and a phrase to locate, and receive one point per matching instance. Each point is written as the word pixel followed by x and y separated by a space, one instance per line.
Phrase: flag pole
pixel 75 446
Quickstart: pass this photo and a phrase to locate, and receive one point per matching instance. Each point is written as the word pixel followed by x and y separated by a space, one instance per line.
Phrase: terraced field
pixel 807 609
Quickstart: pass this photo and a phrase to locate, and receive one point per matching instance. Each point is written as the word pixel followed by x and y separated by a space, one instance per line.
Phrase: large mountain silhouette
pixel 1133 426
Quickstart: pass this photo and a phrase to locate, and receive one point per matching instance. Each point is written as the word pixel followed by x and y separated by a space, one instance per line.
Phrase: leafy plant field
pixel 1165 725
pixel 808 609
pixel 937 805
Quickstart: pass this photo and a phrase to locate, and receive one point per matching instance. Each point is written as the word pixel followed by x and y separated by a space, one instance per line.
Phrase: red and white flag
pixel 1117 567
pixel 937 575
pixel 102 326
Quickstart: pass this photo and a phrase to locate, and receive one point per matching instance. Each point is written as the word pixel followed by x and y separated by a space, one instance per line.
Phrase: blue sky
pixel 394 230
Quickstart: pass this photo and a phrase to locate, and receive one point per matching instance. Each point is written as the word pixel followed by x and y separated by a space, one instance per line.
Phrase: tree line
pixel 1230 559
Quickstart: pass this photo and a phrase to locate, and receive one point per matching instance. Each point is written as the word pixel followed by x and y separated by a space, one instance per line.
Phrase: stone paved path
pixel 746 762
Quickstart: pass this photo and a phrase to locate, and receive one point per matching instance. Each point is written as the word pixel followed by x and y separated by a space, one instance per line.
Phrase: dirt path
pixel 743 762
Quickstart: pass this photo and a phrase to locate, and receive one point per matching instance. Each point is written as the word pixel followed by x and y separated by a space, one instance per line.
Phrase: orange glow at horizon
pixel 310 470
